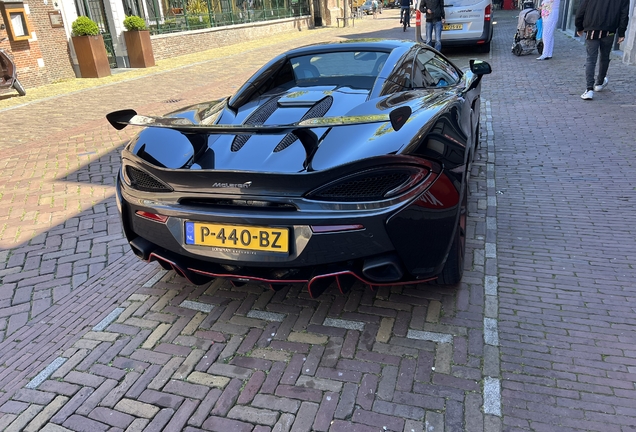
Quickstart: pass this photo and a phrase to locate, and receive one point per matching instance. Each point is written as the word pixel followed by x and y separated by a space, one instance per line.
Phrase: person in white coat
pixel 549 17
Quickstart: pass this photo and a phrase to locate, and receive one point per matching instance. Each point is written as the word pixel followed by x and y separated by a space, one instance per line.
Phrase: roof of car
pixel 354 45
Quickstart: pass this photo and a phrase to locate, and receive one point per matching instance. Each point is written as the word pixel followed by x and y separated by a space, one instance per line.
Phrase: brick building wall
pixel 44 58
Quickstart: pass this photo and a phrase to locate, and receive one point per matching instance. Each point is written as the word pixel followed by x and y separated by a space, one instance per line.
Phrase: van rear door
pixel 466 19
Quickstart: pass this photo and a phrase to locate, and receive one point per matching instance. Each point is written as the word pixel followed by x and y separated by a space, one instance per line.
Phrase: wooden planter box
pixel 91 56
pixel 139 48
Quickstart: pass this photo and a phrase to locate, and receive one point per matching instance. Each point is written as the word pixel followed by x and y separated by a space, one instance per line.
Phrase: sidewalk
pixel 565 189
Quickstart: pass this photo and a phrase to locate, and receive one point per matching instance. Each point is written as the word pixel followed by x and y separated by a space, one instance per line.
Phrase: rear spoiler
pixel 123 118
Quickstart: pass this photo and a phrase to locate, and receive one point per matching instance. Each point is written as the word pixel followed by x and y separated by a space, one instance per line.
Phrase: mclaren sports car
pixel 333 163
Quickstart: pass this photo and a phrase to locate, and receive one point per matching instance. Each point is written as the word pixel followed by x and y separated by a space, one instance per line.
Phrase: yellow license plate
pixel 453 26
pixel 237 237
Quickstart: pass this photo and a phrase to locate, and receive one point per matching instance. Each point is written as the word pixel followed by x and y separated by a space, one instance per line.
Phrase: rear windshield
pixel 334 66
pixel 464 3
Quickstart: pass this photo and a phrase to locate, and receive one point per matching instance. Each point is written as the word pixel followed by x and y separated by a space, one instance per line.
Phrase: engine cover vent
pixel 258 117
pixel 319 110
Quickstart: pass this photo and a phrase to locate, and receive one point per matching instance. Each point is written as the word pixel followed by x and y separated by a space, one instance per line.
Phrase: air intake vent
pixel 145 182
pixel 371 187
pixel 318 110
pixel 258 117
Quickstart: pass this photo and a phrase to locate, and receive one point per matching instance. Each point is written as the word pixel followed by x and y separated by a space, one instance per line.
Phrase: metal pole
pixel 418 26
pixel 347 13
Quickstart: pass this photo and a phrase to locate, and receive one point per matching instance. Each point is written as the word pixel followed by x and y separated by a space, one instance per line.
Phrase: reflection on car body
pixel 338 162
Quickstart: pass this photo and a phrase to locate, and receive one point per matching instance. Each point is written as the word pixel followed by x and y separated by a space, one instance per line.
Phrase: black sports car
pixel 336 162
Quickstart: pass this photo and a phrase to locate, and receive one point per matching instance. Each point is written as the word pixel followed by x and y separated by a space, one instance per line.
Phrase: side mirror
pixel 479 67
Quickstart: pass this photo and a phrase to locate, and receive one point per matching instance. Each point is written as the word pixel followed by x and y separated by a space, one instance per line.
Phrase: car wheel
pixel 485 48
pixel 18 87
pixel 477 141
pixel 454 267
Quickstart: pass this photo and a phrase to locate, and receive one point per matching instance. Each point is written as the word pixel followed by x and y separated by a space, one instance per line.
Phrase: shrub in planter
pixel 84 26
pixel 89 48
pixel 138 43
pixel 134 22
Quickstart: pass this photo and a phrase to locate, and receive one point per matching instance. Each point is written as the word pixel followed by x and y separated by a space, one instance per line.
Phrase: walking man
pixel 435 18
pixel 601 20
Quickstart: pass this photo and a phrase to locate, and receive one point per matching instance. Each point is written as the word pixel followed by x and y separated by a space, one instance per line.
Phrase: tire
pixel 485 48
pixel 477 144
pixel 517 50
pixel 540 47
pixel 18 87
pixel 454 267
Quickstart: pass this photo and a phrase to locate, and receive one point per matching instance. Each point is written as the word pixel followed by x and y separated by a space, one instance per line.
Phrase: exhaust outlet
pixel 384 268
pixel 142 248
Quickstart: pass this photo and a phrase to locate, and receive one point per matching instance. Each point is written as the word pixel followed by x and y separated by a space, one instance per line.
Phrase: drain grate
pixel 172 101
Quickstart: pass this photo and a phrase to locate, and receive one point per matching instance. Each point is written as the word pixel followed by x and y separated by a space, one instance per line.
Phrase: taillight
pixel 441 195
pixel 372 185
pixel 152 216
pixel 487 13
pixel 143 181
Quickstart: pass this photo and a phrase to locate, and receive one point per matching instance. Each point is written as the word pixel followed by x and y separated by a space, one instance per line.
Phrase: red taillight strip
pixel 335 228
pixel 244 278
pixel 152 216
pixel 487 13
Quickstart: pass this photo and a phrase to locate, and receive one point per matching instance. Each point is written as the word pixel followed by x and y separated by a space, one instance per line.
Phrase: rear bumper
pixel 404 243
pixel 485 37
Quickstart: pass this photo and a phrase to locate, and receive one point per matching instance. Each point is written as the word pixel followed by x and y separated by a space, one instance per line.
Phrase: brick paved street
pixel 539 336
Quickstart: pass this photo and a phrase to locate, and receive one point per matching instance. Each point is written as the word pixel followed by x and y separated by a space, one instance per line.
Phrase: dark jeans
pixel 437 26
pixel 597 48
pixel 405 14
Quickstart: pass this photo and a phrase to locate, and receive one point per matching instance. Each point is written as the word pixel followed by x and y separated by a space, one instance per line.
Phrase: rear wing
pixel 123 118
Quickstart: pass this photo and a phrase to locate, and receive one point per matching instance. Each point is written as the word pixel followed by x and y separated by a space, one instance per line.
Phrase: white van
pixel 468 23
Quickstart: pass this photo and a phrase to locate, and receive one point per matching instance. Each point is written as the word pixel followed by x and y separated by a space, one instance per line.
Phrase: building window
pixel 14 14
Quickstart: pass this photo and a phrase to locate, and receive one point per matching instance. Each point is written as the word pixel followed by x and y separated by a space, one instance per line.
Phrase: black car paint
pixel 440 131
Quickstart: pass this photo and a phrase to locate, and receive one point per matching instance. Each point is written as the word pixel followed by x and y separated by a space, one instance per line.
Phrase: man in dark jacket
pixel 601 20
pixel 435 18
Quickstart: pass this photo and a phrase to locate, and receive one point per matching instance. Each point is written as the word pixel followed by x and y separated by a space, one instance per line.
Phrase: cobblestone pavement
pixel 538 336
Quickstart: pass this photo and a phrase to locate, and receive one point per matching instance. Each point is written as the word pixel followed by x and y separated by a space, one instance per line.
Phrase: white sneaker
pixel 600 87
pixel 588 95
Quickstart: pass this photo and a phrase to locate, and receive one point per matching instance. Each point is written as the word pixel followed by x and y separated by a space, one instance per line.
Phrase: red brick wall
pixel 51 46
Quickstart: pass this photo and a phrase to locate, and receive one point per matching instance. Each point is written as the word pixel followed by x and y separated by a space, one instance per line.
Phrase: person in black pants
pixel 602 21
pixel 405 13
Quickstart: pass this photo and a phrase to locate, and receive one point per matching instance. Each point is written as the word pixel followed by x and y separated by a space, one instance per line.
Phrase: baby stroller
pixel 527 28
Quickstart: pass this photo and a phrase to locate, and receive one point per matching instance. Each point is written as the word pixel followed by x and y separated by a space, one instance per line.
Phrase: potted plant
pixel 138 43
pixel 89 48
